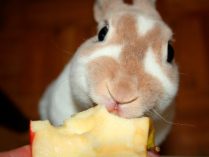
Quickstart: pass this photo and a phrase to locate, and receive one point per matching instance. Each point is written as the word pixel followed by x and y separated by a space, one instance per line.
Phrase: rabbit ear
pixel 102 7
pixel 148 7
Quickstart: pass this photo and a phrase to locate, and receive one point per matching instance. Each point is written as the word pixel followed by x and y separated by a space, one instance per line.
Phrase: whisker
pixel 169 122
pixel 60 48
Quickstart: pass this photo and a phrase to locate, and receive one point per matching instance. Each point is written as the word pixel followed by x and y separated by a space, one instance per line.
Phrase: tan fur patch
pixel 126 76
pixel 102 68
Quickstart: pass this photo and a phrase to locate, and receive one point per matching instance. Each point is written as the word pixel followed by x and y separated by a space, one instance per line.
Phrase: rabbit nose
pixel 122 92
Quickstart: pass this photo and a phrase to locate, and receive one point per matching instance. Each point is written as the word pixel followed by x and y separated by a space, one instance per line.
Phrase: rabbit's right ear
pixel 102 7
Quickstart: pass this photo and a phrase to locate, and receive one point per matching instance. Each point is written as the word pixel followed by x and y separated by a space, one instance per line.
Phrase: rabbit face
pixel 129 66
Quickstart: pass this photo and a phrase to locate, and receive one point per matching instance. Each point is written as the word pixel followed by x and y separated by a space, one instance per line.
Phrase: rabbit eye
pixel 102 33
pixel 170 53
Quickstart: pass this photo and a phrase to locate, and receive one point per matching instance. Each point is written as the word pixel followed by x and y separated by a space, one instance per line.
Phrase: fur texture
pixel 127 72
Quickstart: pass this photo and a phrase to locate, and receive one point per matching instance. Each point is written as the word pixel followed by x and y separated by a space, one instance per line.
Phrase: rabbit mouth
pixel 113 107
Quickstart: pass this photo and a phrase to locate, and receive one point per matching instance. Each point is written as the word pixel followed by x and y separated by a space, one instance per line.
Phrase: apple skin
pixel 32 134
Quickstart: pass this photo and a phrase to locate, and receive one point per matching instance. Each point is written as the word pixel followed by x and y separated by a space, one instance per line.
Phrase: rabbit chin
pixel 127 111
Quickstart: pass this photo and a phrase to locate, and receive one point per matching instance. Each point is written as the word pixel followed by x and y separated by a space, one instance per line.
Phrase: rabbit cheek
pixel 153 68
pixel 168 85
pixel 101 70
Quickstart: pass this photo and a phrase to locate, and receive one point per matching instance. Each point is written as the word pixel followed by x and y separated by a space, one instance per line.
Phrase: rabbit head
pixel 129 65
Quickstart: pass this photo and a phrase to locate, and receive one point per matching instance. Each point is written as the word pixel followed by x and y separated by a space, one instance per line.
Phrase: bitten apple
pixel 92 133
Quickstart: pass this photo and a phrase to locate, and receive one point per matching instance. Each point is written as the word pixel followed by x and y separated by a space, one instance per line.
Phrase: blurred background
pixel 38 37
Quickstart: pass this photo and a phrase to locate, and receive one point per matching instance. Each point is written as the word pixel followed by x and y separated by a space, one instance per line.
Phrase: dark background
pixel 37 38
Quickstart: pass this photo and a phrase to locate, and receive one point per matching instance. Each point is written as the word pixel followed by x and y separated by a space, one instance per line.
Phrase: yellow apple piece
pixel 92 133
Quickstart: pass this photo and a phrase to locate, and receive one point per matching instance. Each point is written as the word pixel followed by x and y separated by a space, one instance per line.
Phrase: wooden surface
pixel 37 38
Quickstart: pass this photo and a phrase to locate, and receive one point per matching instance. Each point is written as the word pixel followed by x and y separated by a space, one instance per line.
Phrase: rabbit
pixel 128 67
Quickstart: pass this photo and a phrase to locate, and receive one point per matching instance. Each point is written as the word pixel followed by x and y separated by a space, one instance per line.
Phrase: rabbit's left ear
pixel 102 7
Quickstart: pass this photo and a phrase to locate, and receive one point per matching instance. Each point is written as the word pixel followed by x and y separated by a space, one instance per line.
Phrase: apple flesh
pixel 92 133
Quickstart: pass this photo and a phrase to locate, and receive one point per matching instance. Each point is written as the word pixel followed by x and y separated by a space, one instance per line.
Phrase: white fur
pixel 112 51
pixel 154 69
pixel 140 1
pixel 144 25
pixel 54 104
pixel 78 82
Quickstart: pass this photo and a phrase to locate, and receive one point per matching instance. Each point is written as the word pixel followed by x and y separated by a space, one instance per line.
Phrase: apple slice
pixel 92 133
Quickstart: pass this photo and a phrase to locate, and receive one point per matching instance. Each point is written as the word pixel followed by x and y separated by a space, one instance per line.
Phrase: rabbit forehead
pixel 142 23
pixel 137 33
pixel 138 24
